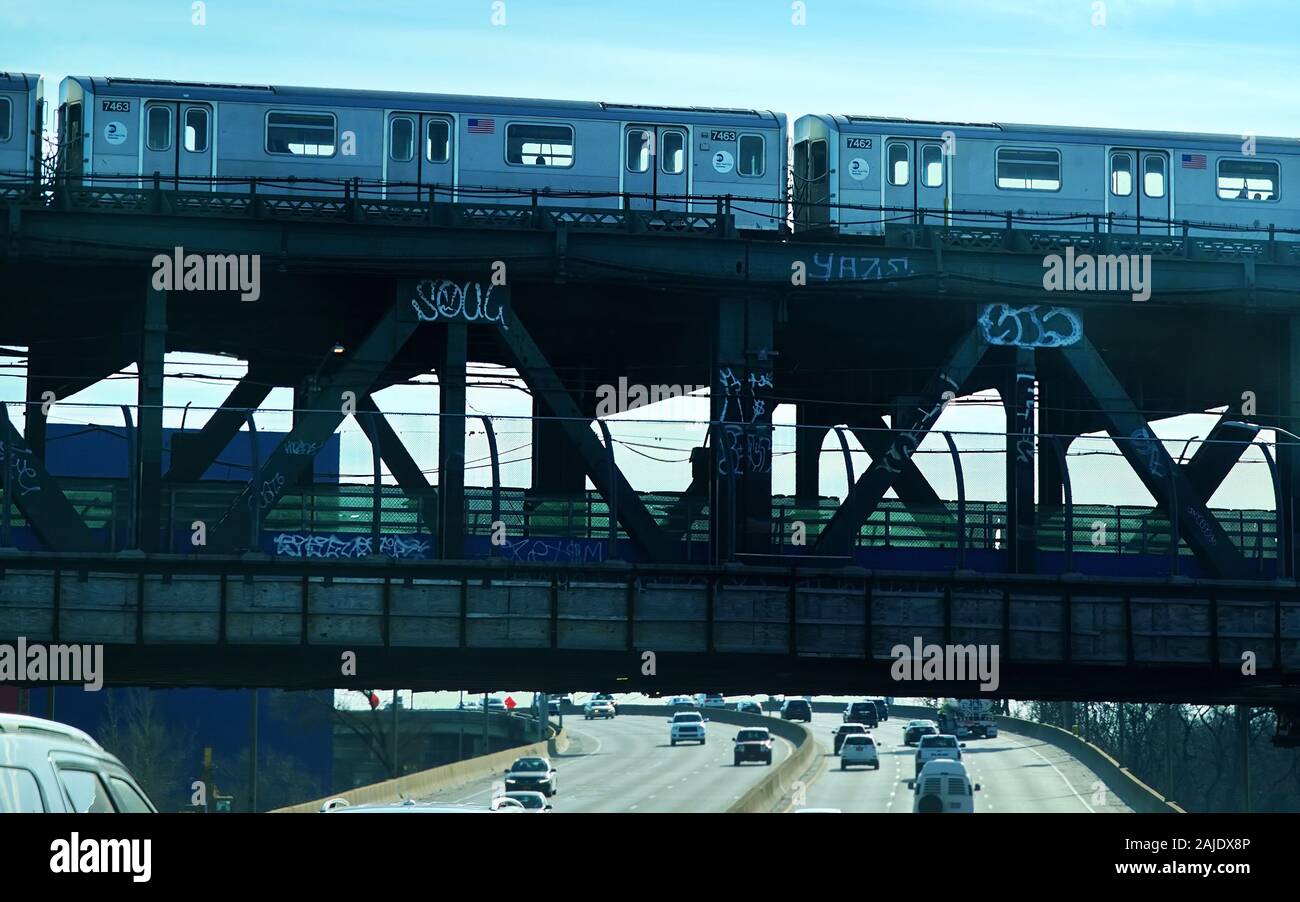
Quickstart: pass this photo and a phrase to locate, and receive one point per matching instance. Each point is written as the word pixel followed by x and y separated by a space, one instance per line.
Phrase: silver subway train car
pixel 498 150
pixel 854 174
pixel 21 115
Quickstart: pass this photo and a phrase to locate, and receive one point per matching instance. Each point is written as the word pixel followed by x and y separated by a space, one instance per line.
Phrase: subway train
pixel 848 175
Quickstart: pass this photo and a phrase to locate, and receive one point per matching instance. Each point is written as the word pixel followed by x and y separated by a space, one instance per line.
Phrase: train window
pixel 530 144
pixel 817 159
pixel 1248 179
pixel 1121 174
pixel 640 146
pixel 1029 170
pixel 672 153
pixel 401 139
pixel 437 141
pixel 932 165
pixel 898 162
pixel 1153 175
pixel 196 129
pixel 6 114
pixel 301 134
pixel 159 128
pixel 750 156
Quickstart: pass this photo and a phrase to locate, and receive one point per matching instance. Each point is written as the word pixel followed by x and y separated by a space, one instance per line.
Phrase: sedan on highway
pixel 682 701
pixel 532 802
pixel 796 709
pixel 753 744
pixel 844 731
pixel 532 774
pixel 598 708
pixel 686 726
pixel 915 729
pixel 749 707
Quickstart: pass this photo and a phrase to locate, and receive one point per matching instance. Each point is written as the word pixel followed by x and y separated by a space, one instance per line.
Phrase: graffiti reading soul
pixel 471 302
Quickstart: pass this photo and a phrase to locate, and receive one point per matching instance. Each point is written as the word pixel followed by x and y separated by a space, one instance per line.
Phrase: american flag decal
pixel 481 126
pixel 1193 161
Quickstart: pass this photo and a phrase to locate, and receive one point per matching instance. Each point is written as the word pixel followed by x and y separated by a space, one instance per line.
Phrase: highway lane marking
pixel 1068 784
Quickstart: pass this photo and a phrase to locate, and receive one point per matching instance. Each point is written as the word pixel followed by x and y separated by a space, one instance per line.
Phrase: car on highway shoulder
pixel 682 701
pixel 532 802
pixel 749 708
pixel 47 766
pixel 753 744
pixel 598 708
pixel 796 709
pixel 915 729
pixel 710 700
pixel 687 726
pixel 859 748
pixel 944 787
pixel 532 773
pixel 844 730
pixel 861 712
pixel 932 748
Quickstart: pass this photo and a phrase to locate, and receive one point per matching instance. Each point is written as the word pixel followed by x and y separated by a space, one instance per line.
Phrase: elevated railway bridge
pixel 871 337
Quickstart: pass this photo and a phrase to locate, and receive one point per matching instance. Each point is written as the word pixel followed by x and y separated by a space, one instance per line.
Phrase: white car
pixel 507 804
pixel 710 700
pixel 859 748
pixel 598 707
pixel 932 748
pixel 944 787
pixel 682 701
pixel 687 726
pixel 532 802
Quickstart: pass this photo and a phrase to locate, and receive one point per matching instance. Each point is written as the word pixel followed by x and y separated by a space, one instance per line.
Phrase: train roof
pixel 1059 133
pixel 24 79
pixel 180 90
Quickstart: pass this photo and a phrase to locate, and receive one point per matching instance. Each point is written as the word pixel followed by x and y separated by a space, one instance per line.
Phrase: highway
pixel 1015 773
pixel 627 765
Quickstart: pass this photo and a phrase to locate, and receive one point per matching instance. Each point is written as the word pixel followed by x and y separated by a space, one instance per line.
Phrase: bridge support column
pixel 149 412
pixel 807 453
pixel 556 471
pixel 741 411
pixel 1018 401
pixel 1051 481
pixel 1288 449
pixel 451 443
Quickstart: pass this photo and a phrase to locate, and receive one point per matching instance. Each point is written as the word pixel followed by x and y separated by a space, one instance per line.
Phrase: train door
pixel 915 181
pixel 178 144
pixel 1139 190
pixel 419 156
pixel 655 166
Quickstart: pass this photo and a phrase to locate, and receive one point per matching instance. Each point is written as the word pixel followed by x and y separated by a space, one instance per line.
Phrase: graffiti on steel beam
pixel 1150 450
pixel 902 448
pixel 22 473
pixel 1033 326
pixel 745 422
pixel 1202 524
pixel 469 303
pixel 270 490
pixel 300 448
pixel 553 550
pixel 331 547
pixel 835 267
pixel 1025 418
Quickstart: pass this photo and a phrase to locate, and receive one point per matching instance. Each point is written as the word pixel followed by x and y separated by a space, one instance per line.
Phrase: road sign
pixel 510 703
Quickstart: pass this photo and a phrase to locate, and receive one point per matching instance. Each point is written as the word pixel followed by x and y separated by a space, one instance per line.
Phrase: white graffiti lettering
pixel 1030 327
pixel 298 545
pixel 446 300
pixel 553 550
pixel 850 268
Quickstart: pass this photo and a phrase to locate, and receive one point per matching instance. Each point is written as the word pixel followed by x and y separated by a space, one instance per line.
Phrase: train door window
pixel 401 139
pixel 85 791
pixel 1121 174
pixel 640 146
pixel 301 134
pixel 159 126
pixel 1028 170
pixel 932 165
pixel 817 159
pixel 196 130
pixel 1153 175
pixel 1248 180
pixel 672 152
pixel 437 141
pixel 898 162
pixel 750 156
pixel 6 117
pixel 531 144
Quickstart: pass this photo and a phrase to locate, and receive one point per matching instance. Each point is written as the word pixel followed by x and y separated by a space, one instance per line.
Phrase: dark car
pixel 845 730
pixel 531 774
pixel 882 709
pixel 749 708
pixel 753 744
pixel 916 729
pixel 796 709
pixel 861 712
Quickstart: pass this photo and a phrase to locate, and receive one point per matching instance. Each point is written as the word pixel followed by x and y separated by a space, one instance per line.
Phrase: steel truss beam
pixel 38 496
pixel 609 481
pixel 1164 479
pixel 192 455
pixel 864 497
pixel 409 476
pixel 914 491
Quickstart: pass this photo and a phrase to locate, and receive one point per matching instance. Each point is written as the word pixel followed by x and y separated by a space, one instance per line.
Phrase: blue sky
pixel 1226 66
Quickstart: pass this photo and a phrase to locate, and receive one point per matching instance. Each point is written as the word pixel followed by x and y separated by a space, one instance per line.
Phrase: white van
pixel 944 787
